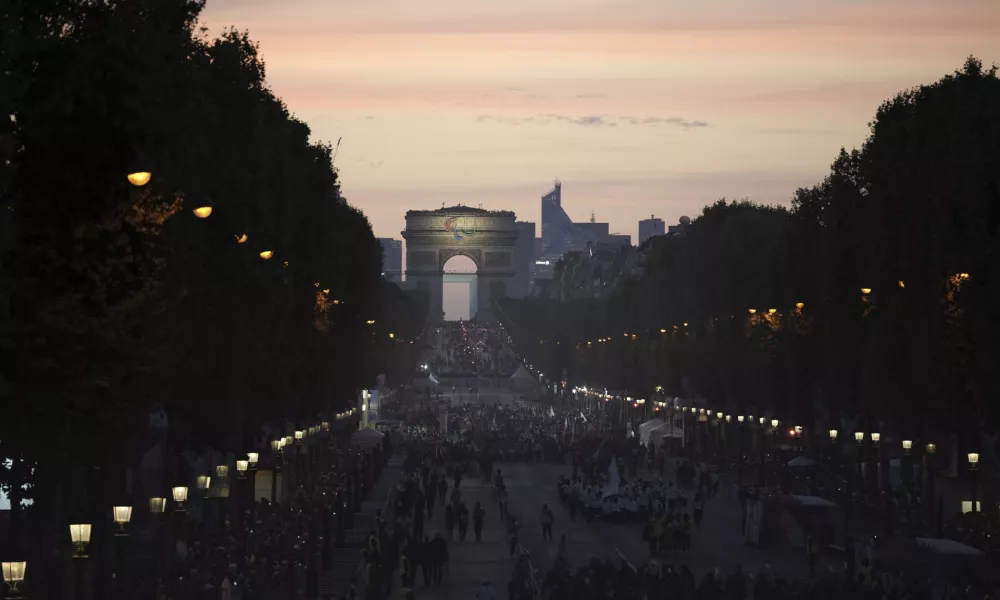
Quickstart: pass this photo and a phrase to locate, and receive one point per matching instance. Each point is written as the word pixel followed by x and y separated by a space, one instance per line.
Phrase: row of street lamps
pixel 80 533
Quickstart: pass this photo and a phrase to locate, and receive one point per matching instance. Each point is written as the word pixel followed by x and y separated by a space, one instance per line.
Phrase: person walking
pixel 449 522
pixel 442 489
pixel 812 554
pixel 439 555
pixel 427 562
pixel 478 516
pixel 699 509
pixel 502 501
pixel 463 521
pixel 547 519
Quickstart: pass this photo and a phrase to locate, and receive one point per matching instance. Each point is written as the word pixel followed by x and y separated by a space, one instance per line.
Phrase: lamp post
pixel 974 471
pixel 122 515
pixel 929 483
pixel 13 577
pixel 79 534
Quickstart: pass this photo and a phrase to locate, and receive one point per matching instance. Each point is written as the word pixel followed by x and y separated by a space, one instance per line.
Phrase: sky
pixel 639 107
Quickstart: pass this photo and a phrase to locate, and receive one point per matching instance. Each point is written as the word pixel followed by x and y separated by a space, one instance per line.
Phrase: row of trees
pixel 874 297
pixel 119 299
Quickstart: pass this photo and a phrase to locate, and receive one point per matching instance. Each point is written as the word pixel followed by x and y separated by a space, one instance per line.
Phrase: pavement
pixel 471 562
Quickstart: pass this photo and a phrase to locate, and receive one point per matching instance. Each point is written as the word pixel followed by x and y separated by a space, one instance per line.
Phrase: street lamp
pixel 930 448
pixel 241 468
pixel 729 418
pixel 774 423
pixel 266 254
pixel 740 418
pixel 763 420
pixel 13 575
pixel 859 437
pixel 222 471
pixel 298 437
pixel 139 178
pixel 157 505
pixel 718 415
pixel 122 515
pixel 203 211
pixel 203 482
pixel 252 458
pixel 876 436
pixel 80 536
pixel 973 461
pixel 907 446
pixel 865 291
pixel 180 496
pixel 833 435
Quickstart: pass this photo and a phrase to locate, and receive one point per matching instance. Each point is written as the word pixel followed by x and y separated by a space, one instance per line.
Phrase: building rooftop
pixel 460 210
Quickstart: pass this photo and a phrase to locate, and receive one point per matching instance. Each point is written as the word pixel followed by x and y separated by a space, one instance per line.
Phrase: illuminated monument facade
pixel 488 237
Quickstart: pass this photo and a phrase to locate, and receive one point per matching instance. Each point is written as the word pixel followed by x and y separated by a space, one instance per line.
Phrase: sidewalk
pixel 336 581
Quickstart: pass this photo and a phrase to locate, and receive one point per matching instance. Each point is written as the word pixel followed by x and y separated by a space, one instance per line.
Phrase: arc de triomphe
pixel 487 237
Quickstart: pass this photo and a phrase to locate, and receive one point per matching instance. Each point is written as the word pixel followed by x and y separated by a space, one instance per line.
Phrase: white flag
pixel 582 416
pixel 552 413
pixel 614 482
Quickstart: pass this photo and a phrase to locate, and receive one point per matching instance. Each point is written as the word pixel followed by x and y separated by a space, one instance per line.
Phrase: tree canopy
pixel 875 297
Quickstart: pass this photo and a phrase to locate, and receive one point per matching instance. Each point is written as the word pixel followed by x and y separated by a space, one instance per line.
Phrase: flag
pixel 612 487
pixel 552 413
pixel 582 416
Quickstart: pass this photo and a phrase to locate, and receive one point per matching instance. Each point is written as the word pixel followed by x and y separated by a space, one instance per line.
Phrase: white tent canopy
pixel 646 428
pixel 665 431
pixel 367 437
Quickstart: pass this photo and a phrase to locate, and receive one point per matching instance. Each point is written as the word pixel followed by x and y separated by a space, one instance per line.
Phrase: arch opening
pixel 460 286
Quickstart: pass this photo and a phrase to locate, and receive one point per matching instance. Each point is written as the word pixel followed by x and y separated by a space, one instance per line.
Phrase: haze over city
pixel 640 107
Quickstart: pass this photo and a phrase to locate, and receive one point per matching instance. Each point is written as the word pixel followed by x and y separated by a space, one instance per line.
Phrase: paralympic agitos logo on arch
pixel 451 227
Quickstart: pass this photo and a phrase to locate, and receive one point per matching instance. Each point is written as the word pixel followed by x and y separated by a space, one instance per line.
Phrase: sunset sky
pixel 639 106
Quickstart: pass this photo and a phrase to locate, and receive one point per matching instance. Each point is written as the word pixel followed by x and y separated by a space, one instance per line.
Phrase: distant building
pixel 524 255
pixel 679 229
pixel 650 227
pixel 392 259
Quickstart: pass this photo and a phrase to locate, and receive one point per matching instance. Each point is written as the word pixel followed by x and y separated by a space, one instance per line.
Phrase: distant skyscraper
pixel 392 259
pixel 524 254
pixel 650 227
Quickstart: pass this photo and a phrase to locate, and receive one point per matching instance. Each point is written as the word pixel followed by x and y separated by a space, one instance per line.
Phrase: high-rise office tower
pixel 392 259
pixel 650 227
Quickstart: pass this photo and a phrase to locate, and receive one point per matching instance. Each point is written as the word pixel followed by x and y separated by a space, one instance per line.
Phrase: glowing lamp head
pixel 79 534
pixel 907 446
pixel 121 515
pixel 752 311
pixel 833 435
pixel 859 436
pixel 800 305
pixel 740 418
pixel 876 437
pixel 865 291
pixel 930 448
pixel 180 494
pixel 771 311
pixel 157 506
pixel 13 573
pixel 222 471
pixel 275 445
pixel 299 435
pixel 240 238
pixel 252 458
pixel 139 178
pixel 973 460
pixel 203 212
pixel 774 423
pixel 267 254
pixel 729 419
pixel 241 467
pixel 203 482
